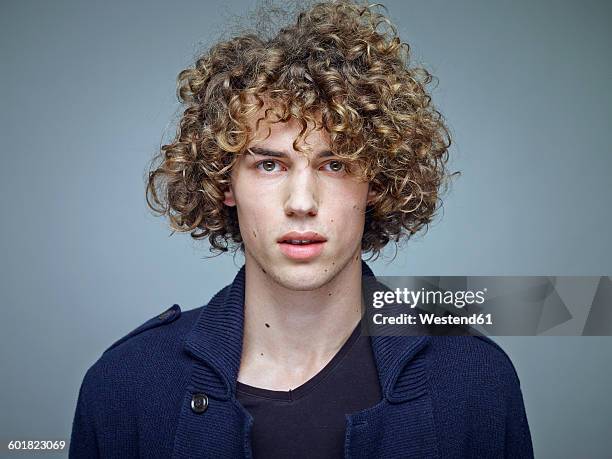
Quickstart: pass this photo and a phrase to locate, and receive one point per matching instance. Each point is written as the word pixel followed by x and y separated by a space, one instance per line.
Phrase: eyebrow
pixel 281 154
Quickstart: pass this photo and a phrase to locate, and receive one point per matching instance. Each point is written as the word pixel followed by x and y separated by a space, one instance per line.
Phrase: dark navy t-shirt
pixel 310 421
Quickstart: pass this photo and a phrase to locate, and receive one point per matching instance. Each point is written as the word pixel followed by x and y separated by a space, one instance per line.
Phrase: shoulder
pixel 475 362
pixel 145 371
pixel 476 390
pixel 151 347
pixel 154 327
pixel 164 329
pixel 469 350
pixel 476 374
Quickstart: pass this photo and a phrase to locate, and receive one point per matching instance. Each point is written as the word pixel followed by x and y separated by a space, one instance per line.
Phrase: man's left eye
pixel 268 165
pixel 336 166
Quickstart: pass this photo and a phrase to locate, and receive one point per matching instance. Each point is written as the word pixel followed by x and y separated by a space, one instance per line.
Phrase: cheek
pixel 350 201
pixel 348 215
pixel 256 218
pixel 355 213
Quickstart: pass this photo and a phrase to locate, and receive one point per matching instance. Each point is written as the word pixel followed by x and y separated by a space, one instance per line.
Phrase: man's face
pixel 277 191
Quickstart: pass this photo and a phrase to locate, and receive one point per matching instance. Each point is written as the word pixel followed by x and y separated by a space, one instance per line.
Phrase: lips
pixel 302 246
pixel 306 236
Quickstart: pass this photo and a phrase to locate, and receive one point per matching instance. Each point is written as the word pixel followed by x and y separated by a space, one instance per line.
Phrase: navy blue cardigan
pixel 167 389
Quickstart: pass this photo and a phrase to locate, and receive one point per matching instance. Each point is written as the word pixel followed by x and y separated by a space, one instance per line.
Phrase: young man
pixel 302 150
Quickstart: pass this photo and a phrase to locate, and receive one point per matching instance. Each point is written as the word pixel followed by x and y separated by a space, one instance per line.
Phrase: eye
pixel 268 165
pixel 336 166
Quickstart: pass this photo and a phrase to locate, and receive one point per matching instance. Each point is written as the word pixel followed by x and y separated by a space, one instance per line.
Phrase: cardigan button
pixel 199 403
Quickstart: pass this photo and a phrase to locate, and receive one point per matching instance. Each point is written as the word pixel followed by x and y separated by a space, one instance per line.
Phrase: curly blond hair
pixel 340 64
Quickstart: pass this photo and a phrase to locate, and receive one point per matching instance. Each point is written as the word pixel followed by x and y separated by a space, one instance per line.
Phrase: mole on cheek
pixel 267 325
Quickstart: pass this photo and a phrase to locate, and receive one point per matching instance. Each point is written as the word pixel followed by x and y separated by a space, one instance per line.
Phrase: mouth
pixel 301 250
pixel 302 245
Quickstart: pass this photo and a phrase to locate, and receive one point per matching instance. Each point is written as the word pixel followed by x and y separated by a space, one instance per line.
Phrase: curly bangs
pixel 341 65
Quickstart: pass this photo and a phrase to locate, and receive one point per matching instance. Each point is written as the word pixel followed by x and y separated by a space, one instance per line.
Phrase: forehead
pixel 267 132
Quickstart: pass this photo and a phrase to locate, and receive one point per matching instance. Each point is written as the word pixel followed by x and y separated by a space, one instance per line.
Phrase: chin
pixel 305 277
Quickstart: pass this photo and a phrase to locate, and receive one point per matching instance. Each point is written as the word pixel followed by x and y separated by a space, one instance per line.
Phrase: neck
pixel 290 335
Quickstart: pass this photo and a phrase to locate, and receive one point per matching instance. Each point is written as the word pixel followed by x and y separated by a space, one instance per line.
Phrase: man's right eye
pixel 268 165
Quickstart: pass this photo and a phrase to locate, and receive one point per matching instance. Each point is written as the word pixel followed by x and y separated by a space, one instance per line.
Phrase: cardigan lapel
pixel 215 343
pixel 216 338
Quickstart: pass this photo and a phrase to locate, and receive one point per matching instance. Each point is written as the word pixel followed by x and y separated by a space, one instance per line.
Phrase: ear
pixel 371 194
pixel 229 197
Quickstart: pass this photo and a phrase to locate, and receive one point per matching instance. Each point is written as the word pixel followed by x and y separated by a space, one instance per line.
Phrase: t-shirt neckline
pixel 303 389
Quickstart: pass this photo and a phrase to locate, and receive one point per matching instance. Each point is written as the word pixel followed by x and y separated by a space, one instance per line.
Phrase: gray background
pixel 87 93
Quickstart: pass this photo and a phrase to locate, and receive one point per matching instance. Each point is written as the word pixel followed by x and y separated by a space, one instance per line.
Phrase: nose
pixel 302 194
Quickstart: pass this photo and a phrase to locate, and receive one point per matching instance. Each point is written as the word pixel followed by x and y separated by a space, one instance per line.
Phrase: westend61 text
pixel 432 319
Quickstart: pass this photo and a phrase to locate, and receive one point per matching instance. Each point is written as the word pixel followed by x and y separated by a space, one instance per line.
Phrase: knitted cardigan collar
pixel 216 341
